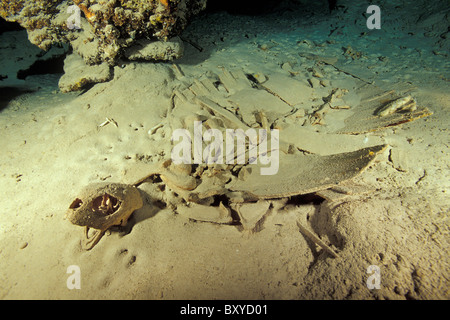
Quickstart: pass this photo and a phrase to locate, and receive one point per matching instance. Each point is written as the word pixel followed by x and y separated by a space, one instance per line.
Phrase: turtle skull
pixel 100 206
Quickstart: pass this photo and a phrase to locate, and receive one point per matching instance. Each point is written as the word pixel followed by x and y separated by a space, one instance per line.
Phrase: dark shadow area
pixel 9 26
pixel 303 199
pixel 150 208
pixel 49 66
pixel 193 54
pixel 247 7
pixel 201 38
pixel 261 7
pixel 9 93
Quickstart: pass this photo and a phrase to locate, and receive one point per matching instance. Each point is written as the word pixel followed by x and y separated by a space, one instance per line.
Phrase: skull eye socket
pixel 76 204
pixel 105 204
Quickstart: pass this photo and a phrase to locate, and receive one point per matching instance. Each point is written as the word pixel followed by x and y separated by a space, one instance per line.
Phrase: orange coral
pixel 165 2
pixel 89 15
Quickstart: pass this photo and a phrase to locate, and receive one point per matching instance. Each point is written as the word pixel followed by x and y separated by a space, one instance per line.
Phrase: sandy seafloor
pixel 51 147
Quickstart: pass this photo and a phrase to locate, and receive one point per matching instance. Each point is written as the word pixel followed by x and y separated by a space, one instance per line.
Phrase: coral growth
pixel 107 26
pixel 88 14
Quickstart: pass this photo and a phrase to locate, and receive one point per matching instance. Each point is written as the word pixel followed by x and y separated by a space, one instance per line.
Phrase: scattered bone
pixel 108 121
pixel 314 83
pixel 234 82
pixel 242 80
pixel 251 102
pixel 262 119
pixel 218 110
pixel 366 117
pixel 402 104
pixel 317 58
pixel 289 90
pixel 176 176
pixel 316 240
pixel 325 83
pixel 325 144
pixel 199 88
pixel 325 166
pixel 343 192
pixel 260 77
pixel 287 66
pixel 179 73
pixel 220 214
pixel 399 159
pixel 311 174
pixel 155 128
pixel 343 107
pixel 335 63
pixel 251 213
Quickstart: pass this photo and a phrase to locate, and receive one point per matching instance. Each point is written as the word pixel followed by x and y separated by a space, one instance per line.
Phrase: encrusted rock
pixel 156 50
pixel 78 75
pixel 100 30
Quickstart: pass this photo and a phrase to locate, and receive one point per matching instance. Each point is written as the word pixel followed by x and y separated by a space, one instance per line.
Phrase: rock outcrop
pixel 101 30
